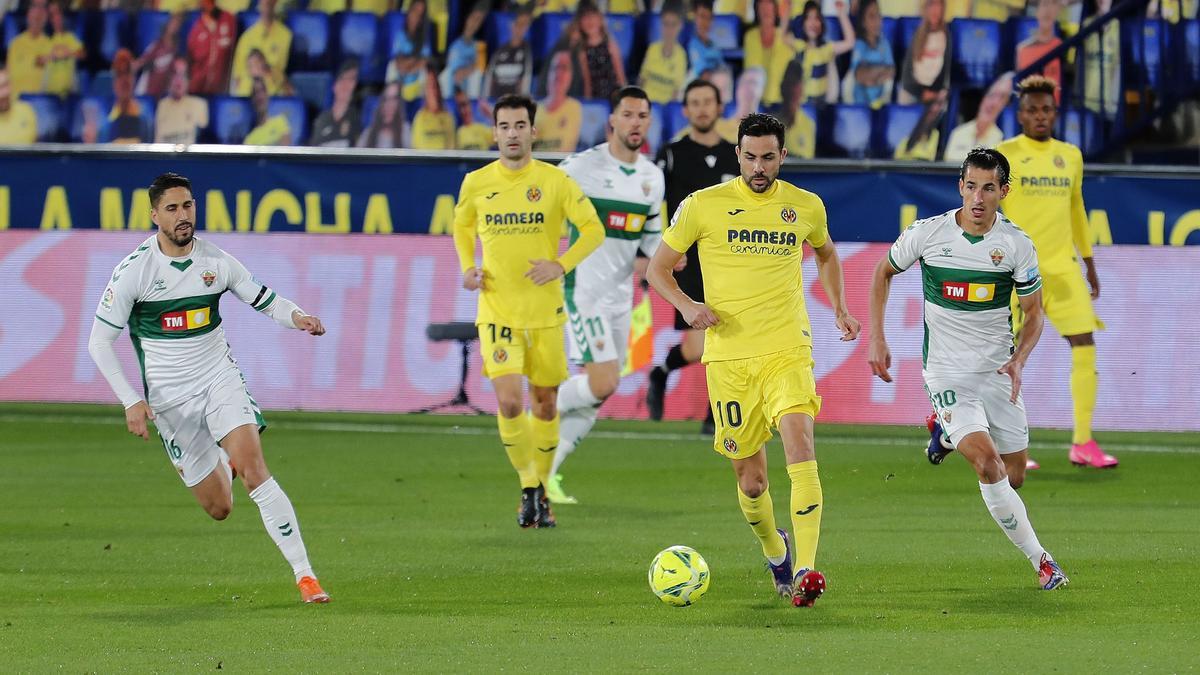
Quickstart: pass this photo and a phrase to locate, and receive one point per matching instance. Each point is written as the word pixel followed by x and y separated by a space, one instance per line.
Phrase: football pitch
pixel 108 564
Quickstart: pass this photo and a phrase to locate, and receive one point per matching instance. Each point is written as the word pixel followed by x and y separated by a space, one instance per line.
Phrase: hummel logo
pixel 736 211
pixel 1009 523
pixel 286 529
pixel 491 195
pixel 810 509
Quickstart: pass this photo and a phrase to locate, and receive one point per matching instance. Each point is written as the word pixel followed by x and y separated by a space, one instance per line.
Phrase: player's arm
pixel 583 216
pixel 1081 232
pixel 1031 332
pixel 683 232
pixel 111 317
pixel 829 269
pixel 464 236
pixel 265 300
pixel 878 354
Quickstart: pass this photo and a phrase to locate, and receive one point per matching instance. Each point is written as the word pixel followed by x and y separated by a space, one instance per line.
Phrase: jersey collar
pixel 745 191
pixel 511 174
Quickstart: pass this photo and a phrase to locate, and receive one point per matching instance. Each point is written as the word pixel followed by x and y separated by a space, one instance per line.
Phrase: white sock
pixel 225 465
pixel 280 520
pixel 1008 511
pixel 572 427
pixel 576 393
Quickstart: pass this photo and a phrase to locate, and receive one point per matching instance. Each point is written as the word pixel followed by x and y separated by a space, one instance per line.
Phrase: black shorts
pixel 691 282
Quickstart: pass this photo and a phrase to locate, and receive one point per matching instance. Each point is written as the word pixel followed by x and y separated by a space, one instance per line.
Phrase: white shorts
pixel 598 334
pixel 969 402
pixel 190 431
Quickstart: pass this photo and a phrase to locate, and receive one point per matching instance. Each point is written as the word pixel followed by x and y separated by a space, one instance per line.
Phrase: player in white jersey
pixel 972 261
pixel 627 190
pixel 167 292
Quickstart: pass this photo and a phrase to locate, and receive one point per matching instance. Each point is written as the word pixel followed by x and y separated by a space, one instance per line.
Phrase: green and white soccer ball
pixel 679 576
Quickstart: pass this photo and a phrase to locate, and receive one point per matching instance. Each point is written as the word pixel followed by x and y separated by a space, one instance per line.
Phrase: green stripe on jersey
pixel 265 303
pixel 1026 290
pixel 606 208
pixel 936 279
pixel 170 319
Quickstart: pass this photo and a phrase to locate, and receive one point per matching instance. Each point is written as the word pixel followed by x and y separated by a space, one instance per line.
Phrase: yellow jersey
pixel 18 125
pixel 60 74
pixel 800 139
pixel 924 150
pixel 1046 200
pixel 432 130
pixel 663 77
pixel 275 44
pixel 275 131
pixel 25 76
pixel 558 129
pixel 773 61
pixel 518 216
pixel 751 248
pixel 474 136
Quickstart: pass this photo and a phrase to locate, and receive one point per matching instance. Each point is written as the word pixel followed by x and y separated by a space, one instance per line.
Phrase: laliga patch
pixel 107 301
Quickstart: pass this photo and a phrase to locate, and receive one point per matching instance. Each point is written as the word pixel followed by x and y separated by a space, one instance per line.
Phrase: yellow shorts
pixel 536 353
pixel 1068 305
pixel 749 396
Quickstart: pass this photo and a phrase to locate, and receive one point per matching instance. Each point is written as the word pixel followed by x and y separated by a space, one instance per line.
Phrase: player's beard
pixel 629 145
pixel 184 239
pixel 750 184
pixel 705 129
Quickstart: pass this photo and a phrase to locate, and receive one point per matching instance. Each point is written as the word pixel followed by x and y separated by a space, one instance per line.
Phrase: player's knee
pixel 752 486
pixel 219 510
pixel 1016 479
pixel 510 407
pixel 989 467
pixel 603 386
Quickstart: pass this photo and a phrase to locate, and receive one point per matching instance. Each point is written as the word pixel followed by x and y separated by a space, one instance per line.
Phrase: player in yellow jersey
pixel 517 206
pixel 1046 201
pixel 750 233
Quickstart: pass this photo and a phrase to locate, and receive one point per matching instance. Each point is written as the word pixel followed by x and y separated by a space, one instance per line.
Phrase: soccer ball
pixel 679 576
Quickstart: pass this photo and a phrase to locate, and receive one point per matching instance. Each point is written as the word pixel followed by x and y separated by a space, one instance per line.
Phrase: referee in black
pixel 698 160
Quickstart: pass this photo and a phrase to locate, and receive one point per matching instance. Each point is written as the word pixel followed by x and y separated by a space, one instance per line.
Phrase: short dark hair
pixel 758 124
pixel 988 159
pixel 700 83
pixel 623 93
pixel 514 101
pixel 706 4
pixel 673 7
pixel 166 182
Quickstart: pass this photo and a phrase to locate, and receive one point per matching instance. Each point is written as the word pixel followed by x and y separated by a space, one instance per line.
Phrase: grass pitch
pixel 107 563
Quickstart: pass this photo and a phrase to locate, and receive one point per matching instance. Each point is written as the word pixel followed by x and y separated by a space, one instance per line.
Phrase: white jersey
pixel 171 306
pixel 628 199
pixel 968 285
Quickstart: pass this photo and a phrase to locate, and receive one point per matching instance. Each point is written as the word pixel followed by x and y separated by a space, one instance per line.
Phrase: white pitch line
pixel 824 436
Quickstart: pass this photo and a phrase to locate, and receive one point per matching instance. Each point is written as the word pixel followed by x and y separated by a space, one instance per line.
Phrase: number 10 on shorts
pixel 729 410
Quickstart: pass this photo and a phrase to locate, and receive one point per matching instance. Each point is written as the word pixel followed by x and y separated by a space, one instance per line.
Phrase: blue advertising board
pixel 383 193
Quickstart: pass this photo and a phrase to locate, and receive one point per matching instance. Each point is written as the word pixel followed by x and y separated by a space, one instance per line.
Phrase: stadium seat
pixel 1190 33
pixel 49 109
pixel 673 119
pixel 149 106
pixel 95 107
pixel 1020 28
pixel 310 40
pixel 833 28
pixel 100 85
pixel 1079 127
pixel 12 28
pixel 1008 121
pixel 498 29
pixel 622 29
pixel 111 29
pixel 906 27
pixel 851 133
pixel 246 19
pixel 1144 43
pixel 727 34
pixel 655 135
pixel 314 87
pixel 393 35
pixel 975 51
pixel 595 121
pixel 231 118
pixel 297 115
pixel 545 31
pixel 150 25
pixel 895 122
pixel 358 37
pixel 369 105
pixel 890 26
pixel 411 108
pixel 189 20
pixel 650 28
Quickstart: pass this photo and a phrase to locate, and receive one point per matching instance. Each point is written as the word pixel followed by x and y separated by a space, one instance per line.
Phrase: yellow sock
pixel 1083 390
pixel 760 513
pixel 545 442
pixel 807 505
pixel 518 443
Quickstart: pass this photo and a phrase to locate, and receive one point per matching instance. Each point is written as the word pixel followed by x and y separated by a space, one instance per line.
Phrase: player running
pixel 972 260
pixel 168 292
pixel 627 191
pixel 758 346
pixel 516 205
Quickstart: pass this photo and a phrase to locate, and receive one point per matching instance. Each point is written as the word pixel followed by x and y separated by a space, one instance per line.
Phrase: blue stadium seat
pixel 673 119
pixel 622 29
pixel 906 27
pixel 314 87
pixel 49 109
pixel 246 19
pixel 895 123
pixel 112 31
pixel 498 29
pixel 726 33
pixel 189 20
pixel 1079 127
pixel 358 37
pixel 655 135
pixel 1144 44
pixel 12 28
pixel 100 85
pixel 95 107
pixel 650 29
pixel 411 108
pixel 851 133
pixel 310 40
pixel 975 50
pixel 394 38
pixel 1008 121
pixel 545 31
pixel 595 121
pixel 890 26
pixel 150 25
pixel 297 115
pixel 1021 27
pixel 369 105
pixel 231 118
pixel 1191 44
pixel 149 105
